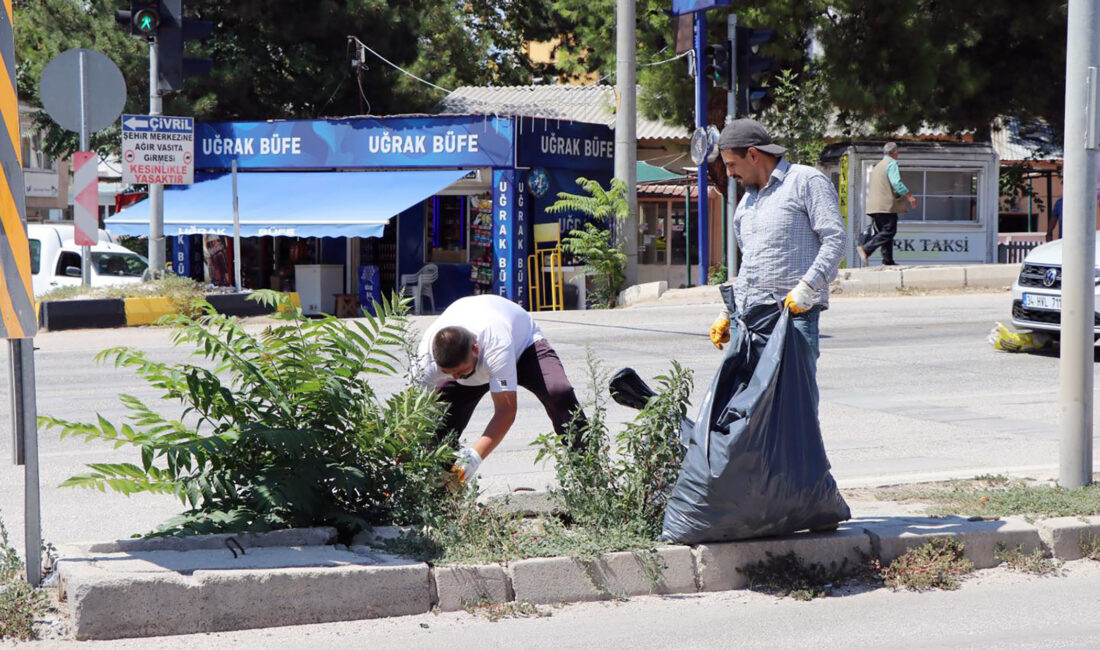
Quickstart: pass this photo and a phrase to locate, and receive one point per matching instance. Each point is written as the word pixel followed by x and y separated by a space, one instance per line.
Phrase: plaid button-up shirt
pixel 789 230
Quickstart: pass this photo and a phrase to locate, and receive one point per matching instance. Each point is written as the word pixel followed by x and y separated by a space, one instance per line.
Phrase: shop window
pixel 677 234
pixel 652 235
pixel 445 228
pixel 942 195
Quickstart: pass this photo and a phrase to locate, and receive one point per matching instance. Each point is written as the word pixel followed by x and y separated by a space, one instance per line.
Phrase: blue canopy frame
pixel 288 204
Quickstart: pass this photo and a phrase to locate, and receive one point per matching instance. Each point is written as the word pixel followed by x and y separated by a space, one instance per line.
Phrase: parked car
pixel 1037 292
pixel 56 259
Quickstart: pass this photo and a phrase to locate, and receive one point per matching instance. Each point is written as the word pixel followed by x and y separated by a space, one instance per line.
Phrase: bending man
pixel 490 344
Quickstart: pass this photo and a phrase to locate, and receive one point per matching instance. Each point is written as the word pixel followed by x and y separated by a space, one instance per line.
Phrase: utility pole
pixel 731 185
pixel 701 181
pixel 626 135
pixel 1082 142
pixel 156 190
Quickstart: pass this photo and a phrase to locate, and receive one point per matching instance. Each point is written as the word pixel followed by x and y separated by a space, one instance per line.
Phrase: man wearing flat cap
pixel 789 229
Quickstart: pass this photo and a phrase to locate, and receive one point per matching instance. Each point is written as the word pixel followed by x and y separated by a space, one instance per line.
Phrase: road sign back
pixel 17 315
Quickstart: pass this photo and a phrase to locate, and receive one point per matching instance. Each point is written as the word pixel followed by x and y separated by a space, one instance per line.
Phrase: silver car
pixel 1037 292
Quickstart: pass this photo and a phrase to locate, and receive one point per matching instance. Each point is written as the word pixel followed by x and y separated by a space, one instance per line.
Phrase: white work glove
pixel 466 463
pixel 800 299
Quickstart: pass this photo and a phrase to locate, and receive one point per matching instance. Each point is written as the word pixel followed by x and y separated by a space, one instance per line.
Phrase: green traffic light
pixel 146 21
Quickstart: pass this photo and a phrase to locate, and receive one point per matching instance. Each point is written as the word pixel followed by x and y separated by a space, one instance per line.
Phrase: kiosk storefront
pixel 955 220
pixel 380 197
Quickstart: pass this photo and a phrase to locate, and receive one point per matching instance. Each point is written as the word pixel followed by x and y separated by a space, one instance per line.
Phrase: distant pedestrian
pixel 1055 220
pixel 887 197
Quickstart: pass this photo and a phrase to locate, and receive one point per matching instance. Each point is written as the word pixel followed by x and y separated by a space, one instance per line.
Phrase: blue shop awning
pixel 288 204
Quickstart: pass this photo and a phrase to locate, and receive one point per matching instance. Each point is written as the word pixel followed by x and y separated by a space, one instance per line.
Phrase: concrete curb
pixel 880 279
pixel 641 293
pixel 54 315
pixel 115 593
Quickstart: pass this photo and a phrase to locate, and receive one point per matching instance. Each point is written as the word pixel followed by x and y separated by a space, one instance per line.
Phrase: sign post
pixel 18 322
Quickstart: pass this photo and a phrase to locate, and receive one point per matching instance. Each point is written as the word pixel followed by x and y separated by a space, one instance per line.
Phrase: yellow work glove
pixel 800 299
pixel 720 331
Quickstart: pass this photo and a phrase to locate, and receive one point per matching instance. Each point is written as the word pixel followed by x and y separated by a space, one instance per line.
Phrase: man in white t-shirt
pixel 490 344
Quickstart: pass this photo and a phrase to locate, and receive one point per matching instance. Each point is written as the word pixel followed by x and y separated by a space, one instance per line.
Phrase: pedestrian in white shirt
pixel 488 344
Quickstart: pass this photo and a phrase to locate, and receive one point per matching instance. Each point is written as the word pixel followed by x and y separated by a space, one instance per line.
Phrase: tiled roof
pixel 590 104
pixel 1025 140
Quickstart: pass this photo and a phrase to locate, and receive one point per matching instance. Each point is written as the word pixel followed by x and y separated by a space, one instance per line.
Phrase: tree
pixel 292 59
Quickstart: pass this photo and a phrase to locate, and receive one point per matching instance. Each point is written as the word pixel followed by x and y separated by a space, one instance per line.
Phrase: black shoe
pixel 889 263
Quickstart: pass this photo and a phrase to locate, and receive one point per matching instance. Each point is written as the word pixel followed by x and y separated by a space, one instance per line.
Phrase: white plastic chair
pixel 419 286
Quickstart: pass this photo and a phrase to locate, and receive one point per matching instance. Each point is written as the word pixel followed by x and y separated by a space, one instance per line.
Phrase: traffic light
pixel 717 65
pixel 143 17
pixel 751 67
pixel 172 65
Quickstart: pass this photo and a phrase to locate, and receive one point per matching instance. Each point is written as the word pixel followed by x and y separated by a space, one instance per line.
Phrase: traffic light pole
pixel 156 190
pixel 700 121
pixel 731 185
pixel 1082 141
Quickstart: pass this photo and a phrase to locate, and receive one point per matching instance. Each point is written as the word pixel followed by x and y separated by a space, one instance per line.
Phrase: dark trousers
pixel 539 370
pixel 886 227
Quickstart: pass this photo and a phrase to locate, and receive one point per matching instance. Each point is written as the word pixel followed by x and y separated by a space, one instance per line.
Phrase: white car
pixel 56 259
pixel 1037 292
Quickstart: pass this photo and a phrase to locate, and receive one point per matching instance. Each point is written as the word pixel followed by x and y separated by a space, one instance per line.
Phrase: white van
pixel 56 261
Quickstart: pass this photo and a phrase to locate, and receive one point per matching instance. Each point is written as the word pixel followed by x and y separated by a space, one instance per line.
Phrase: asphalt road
pixel 910 390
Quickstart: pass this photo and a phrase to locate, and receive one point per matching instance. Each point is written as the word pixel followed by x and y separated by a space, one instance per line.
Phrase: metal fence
pixel 1014 251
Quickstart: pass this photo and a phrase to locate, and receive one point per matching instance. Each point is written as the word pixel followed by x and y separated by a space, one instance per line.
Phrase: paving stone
pixel 719 566
pixel 1065 535
pixel 561 579
pixel 892 536
pixel 458 587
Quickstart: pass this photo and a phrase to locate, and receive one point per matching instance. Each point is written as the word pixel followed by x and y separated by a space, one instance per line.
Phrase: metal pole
pixel 626 135
pixel 156 190
pixel 687 234
pixel 25 432
pixel 731 185
pixel 1076 365
pixel 701 121
pixel 236 232
pixel 85 251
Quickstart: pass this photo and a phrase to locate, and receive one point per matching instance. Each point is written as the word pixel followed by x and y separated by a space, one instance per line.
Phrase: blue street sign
pixel 691 6
pixel 158 124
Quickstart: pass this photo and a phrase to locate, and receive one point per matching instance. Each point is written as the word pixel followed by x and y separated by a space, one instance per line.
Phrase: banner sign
pixel 559 144
pixel 505 271
pixel 357 143
pixel 691 6
pixel 942 246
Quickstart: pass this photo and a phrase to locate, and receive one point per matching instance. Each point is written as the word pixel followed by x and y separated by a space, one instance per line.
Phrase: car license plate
pixel 1040 301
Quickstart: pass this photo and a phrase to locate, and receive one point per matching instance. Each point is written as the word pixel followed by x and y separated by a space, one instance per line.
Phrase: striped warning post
pixel 17 317
pixel 86 197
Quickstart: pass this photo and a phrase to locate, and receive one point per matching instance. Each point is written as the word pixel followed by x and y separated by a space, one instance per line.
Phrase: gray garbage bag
pixel 755 463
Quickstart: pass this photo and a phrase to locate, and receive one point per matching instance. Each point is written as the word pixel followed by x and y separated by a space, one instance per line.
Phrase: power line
pixel 395 66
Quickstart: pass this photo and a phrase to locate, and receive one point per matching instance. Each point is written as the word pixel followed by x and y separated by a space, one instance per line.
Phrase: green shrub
pixel 622 482
pixel 277 429
pixel 20 603
pixel 936 564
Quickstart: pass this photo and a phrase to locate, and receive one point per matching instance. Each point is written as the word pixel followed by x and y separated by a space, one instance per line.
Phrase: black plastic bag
pixel 755 463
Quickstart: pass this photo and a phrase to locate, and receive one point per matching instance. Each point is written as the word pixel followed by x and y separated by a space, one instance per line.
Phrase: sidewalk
pixel 122 589
pixel 864 281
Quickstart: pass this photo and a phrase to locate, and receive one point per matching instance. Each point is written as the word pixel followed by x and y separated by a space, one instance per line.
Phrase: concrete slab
pixel 645 292
pixel 857 281
pixel 459 587
pixel 1064 536
pixel 615 575
pixel 719 566
pixel 892 536
pixel 127 595
pixel 951 277
pixel 290 537
pixel 992 276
